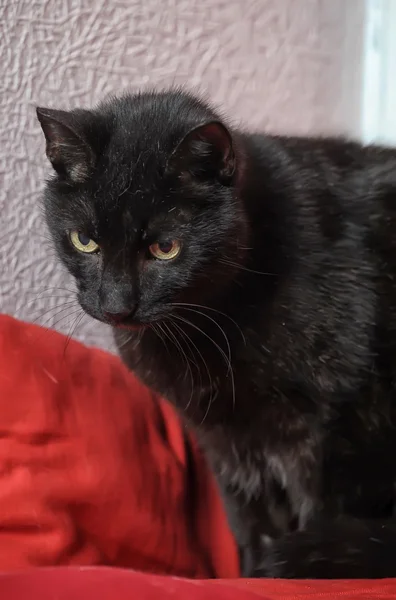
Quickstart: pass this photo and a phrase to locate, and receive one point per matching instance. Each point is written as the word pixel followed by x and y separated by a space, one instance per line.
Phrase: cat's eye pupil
pixel 83 239
pixel 165 247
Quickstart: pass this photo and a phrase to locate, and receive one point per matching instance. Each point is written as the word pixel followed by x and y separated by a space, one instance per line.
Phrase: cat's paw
pixel 277 561
pixel 305 556
pixel 311 555
pixel 344 549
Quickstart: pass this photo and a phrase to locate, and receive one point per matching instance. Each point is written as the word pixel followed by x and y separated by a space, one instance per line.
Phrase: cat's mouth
pixel 117 320
pixel 124 323
pixel 126 320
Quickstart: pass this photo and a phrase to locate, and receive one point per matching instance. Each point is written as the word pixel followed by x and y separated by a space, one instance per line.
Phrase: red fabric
pixel 94 471
pixel 116 584
pixel 93 467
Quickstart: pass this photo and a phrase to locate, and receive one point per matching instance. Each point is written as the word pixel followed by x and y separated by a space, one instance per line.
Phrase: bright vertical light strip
pixel 373 68
pixel 388 92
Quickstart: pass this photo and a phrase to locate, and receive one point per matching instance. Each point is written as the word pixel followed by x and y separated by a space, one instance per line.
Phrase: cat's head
pixel 144 207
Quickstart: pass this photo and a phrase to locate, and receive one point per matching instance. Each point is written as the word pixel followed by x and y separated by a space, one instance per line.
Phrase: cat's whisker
pixel 68 316
pixel 198 312
pixel 184 320
pixel 188 304
pixel 222 353
pixel 154 327
pixel 52 328
pixel 130 336
pixel 39 298
pixel 125 342
pixel 49 289
pixel 184 338
pixel 210 402
pixel 54 293
pixel 67 306
pixel 73 328
pixel 183 355
pixel 188 341
pixel 206 367
pixel 62 308
pixel 176 343
pixel 138 339
pixel 161 334
pixel 195 364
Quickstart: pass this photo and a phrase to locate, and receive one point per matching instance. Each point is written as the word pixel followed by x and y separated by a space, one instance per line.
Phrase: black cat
pixel 251 280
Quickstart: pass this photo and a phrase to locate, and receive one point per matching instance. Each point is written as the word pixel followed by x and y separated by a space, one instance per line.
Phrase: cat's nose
pixel 118 317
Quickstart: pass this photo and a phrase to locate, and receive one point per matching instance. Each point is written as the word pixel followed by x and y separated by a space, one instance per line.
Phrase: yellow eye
pixel 165 250
pixel 83 243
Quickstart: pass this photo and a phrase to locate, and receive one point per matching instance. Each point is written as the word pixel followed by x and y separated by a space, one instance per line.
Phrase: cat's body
pixel 274 327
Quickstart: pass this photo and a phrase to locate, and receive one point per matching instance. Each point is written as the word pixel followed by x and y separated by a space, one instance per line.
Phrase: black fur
pixel 273 331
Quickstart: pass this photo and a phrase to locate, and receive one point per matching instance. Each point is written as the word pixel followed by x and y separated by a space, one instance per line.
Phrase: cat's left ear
pixel 66 145
pixel 206 152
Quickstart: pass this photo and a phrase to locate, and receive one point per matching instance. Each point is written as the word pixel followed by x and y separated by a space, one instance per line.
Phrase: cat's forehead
pixel 131 192
pixel 133 162
pixel 130 175
pixel 134 217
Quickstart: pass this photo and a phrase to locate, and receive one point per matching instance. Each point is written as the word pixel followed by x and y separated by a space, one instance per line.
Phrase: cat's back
pixel 338 156
pixel 335 205
pixel 340 180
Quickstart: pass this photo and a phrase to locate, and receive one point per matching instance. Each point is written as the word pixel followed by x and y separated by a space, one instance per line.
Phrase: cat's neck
pixel 269 208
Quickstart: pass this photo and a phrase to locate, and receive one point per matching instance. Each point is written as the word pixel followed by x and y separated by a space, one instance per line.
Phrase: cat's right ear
pixel 206 152
pixel 66 146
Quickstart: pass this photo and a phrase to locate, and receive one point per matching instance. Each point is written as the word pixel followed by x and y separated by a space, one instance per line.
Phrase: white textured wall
pixel 287 65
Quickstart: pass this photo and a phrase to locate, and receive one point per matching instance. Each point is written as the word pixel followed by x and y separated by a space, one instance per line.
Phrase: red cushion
pixel 93 468
pixel 116 584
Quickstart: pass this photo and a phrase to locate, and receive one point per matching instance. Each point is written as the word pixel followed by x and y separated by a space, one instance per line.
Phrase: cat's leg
pixel 270 485
pixel 260 510
pixel 341 549
pixel 246 530
pixel 257 514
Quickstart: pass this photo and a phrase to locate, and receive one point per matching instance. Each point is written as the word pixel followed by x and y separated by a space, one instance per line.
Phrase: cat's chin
pixel 129 327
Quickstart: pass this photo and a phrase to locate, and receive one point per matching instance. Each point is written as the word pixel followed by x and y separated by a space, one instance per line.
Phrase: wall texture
pixel 287 65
